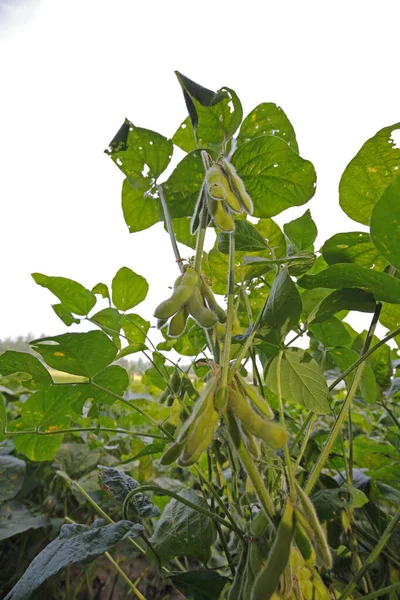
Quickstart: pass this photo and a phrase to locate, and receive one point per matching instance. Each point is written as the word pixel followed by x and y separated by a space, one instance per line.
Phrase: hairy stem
pixel 323 457
pixel 292 486
pixel 170 228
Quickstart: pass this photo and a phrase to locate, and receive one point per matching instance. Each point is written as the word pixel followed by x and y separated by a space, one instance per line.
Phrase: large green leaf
pixel 71 294
pixel 35 375
pixel 344 358
pixel 128 289
pixel 214 116
pixel 267 119
pixel 183 186
pixel 302 231
pixel 137 151
pixel 352 247
pixel 345 299
pixel 381 285
pixel 141 209
pixel 368 174
pixel 182 531
pixel 274 175
pixel 16 518
pixel 302 380
pixel 274 237
pixel 247 239
pixel 200 585
pixel 82 354
pixel 75 544
pixel 192 342
pixel 119 484
pixel 135 328
pixel 331 333
pixel 283 309
pixel 390 317
pixel 12 475
pixel 385 223
pixel 184 136
pixel 115 379
pixel 109 320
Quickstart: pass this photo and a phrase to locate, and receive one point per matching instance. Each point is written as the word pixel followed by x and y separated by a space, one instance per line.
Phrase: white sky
pixel 71 71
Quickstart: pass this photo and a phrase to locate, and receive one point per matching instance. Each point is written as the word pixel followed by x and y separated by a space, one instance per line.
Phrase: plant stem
pixel 163 491
pixel 170 227
pixel 373 556
pixel 229 321
pixel 134 407
pixel 304 443
pixel 201 235
pixel 386 590
pixel 100 511
pixel 292 486
pixel 363 356
pixel 318 466
pixel 300 432
pixel 77 429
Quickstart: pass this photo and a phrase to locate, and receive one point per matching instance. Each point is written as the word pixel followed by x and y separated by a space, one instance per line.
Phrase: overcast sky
pixel 71 71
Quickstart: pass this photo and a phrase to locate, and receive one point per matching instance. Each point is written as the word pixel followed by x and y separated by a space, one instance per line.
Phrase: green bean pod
pixel 271 434
pixel 315 525
pixel 180 295
pixel 267 580
pixel 253 395
pixel 211 301
pixel 204 316
pixel 222 218
pixel 237 186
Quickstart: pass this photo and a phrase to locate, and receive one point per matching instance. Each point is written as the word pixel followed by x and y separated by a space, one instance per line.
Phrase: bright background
pixel 71 71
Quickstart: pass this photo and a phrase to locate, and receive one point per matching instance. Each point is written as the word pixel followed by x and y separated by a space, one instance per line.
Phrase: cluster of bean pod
pixel 226 194
pixel 191 296
pixel 196 434
pixel 280 565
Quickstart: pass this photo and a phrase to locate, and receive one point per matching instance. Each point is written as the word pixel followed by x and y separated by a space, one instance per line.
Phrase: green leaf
pixel 102 290
pixel 182 231
pixel 148 450
pixel 199 585
pixel 66 317
pixel 267 119
pixel 16 518
pixel 71 294
pixel 182 531
pixel 75 544
pixel 380 360
pixel 3 413
pixel 302 231
pixel 331 333
pixel 343 358
pixel 274 237
pixel 390 316
pixel 283 309
pixel 214 116
pixel 192 342
pixel 329 503
pixel 109 320
pixel 35 375
pixel 368 174
pixel 12 475
pixel 381 285
pixel 302 380
pixel 247 239
pixel 183 186
pixel 135 328
pixel 113 378
pixel 137 151
pixel 184 136
pixel 352 247
pixel 345 299
pixel 274 175
pixel 78 353
pixel 128 289
pixel 385 223
pixel 141 210
pixel 119 484
pixel 130 349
